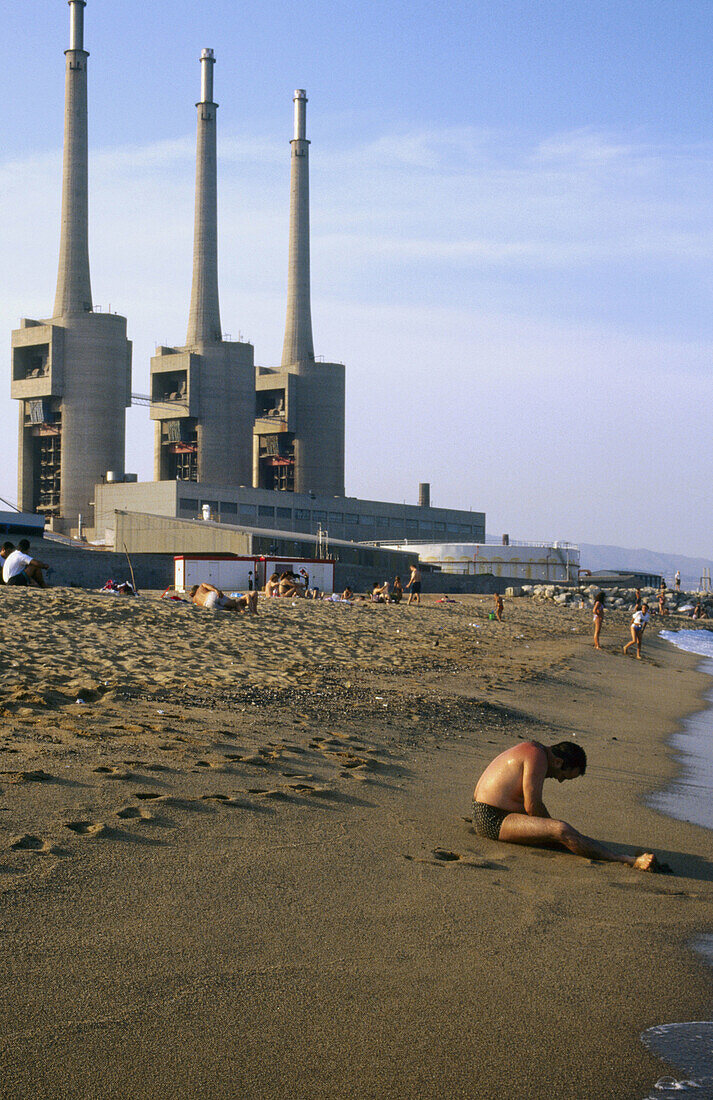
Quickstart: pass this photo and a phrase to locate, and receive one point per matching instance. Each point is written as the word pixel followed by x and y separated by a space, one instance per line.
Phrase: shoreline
pixel 269 889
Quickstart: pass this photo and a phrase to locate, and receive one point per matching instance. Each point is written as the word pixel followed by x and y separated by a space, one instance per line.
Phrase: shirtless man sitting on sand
pixel 206 595
pixel 508 806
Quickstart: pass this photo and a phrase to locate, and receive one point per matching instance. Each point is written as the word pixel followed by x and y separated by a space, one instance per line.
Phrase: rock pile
pixel 620 599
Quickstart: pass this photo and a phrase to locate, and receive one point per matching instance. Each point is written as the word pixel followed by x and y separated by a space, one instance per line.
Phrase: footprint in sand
pixel 88 828
pixel 30 843
pixel 27 777
pixel 135 813
pixel 146 795
pixel 114 773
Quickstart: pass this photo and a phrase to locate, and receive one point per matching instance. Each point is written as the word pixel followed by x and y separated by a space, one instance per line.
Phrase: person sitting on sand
pixel 377 593
pixel 638 626
pixel 288 585
pixel 498 606
pixel 272 585
pixel 508 806
pixel 207 595
pixel 347 594
pixel 598 615
pixel 21 569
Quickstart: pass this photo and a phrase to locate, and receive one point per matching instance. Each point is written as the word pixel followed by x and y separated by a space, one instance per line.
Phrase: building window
pixel 440 527
pixel 247 510
pixel 336 517
pixel 284 513
pixel 366 521
pixel 382 521
pixel 185 504
pixel 228 508
pixel 302 513
pixel 412 525
pixel 319 517
pixel 426 526
pixel 212 504
pixel 265 510
pixel 464 529
pixel 350 518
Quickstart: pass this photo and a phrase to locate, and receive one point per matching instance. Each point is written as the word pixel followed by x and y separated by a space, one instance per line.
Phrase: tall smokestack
pixel 204 313
pixel 298 345
pixel 74 292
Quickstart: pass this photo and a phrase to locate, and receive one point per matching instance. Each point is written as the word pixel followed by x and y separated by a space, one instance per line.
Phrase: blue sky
pixel 512 239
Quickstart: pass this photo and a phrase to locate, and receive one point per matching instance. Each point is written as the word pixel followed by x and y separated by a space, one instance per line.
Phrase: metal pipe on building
pixel 204 313
pixel 298 345
pixel 74 292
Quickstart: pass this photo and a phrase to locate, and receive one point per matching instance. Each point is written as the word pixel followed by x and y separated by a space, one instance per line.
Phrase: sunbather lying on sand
pixel 508 806
pixel 206 595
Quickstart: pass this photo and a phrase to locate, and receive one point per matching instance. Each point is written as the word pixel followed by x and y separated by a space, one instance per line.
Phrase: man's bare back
pixel 508 806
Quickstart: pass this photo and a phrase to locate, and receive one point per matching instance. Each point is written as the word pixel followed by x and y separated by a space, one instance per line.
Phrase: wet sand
pixel 241 865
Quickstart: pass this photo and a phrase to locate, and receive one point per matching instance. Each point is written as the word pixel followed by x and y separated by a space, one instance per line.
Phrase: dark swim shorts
pixel 488 819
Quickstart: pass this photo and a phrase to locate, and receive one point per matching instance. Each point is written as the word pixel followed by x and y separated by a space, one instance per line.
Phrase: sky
pixel 512 233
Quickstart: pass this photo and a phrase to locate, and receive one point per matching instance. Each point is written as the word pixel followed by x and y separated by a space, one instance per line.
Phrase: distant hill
pixel 647 561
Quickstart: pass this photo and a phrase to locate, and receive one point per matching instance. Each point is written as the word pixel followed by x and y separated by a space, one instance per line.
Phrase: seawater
pixel 689 1046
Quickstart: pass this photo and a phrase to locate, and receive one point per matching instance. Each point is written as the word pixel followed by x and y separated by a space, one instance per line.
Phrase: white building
pixel 526 561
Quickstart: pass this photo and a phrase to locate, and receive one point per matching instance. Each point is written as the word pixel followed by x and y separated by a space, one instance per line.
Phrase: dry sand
pixel 240 867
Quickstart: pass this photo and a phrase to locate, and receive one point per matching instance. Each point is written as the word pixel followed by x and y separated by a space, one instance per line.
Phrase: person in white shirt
pixel 21 569
pixel 638 625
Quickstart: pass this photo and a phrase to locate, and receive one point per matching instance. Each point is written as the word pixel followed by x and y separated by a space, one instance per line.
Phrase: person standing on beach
pixel 414 583
pixel 677 580
pixel 498 606
pixel 508 806
pixel 598 615
pixel 638 626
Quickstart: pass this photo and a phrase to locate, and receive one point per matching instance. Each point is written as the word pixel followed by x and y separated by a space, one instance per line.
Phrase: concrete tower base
pixel 72 376
pixel 202 400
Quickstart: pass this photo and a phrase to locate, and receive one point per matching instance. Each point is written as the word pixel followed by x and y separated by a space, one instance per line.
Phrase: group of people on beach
pixel 640 618
pixel 385 593
pixel 19 568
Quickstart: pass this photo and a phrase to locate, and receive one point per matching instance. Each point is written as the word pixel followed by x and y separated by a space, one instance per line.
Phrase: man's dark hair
pixel 8 547
pixel 571 755
pixel 23 545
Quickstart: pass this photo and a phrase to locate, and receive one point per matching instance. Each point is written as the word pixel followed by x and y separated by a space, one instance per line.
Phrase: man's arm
pixel 533 778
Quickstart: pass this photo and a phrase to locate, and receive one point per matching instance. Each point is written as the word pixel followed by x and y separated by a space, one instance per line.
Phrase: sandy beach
pixel 236 859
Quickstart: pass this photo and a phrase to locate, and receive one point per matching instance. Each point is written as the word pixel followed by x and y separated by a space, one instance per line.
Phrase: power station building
pixel 251 447
pixel 299 425
pixel 71 374
pixel 203 394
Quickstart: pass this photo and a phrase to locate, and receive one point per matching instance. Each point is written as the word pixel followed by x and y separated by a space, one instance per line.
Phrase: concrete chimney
pixel 204 314
pixel 424 494
pixel 74 292
pixel 298 346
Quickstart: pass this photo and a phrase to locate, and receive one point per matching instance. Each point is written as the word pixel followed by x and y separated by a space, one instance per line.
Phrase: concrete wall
pixel 319 442
pixel 85 568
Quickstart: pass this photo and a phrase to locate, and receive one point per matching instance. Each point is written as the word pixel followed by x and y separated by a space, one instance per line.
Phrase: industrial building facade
pixel 344 518
pixel 260 446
